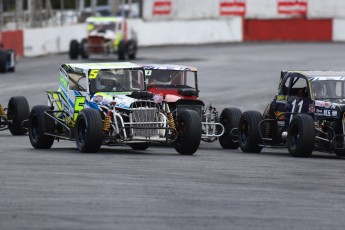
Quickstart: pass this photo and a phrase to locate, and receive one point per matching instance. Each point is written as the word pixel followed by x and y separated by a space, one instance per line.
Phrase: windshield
pixel 118 80
pixel 170 78
pixel 328 89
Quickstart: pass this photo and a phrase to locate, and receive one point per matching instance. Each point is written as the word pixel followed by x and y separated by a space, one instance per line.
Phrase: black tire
pixel 12 69
pixel 339 152
pixel 73 49
pixel 3 62
pixel 18 111
pixel 188 127
pixel 39 124
pixel 132 49
pixel 122 50
pixel 301 136
pixel 89 133
pixel 248 132
pixel 229 118
pixel 139 146
pixel 84 53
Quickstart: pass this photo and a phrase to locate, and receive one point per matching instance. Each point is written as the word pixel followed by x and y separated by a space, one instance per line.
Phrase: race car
pixel 177 88
pixel 7 61
pixel 106 35
pixel 106 104
pixel 14 116
pixel 306 114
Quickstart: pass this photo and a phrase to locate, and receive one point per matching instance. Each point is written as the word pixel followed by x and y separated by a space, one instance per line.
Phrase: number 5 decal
pixel 78 106
pixel 93 73
pixel 300 104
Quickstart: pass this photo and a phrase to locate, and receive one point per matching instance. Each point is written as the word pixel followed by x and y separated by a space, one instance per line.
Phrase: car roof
pixel 104 65
pixel 310 74
pixel 103 20
pixel 169 67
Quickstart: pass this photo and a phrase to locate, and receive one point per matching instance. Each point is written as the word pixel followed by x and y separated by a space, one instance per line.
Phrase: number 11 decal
pixel 300 104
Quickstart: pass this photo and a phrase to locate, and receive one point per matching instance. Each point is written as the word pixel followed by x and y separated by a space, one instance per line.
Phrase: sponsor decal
pixel 292 7
pixel 162 7
pixel 326 112
pixel 232 7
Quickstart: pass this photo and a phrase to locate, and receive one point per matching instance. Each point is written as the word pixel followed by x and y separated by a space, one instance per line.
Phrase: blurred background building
pixel 18 14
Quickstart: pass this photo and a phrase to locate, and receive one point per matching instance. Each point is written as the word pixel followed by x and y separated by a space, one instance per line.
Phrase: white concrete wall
pixel 339 30
pixel 187 32
pixel 326 9
pixel 42 41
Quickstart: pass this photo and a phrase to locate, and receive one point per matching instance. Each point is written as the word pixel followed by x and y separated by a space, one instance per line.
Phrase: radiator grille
pixel 145 119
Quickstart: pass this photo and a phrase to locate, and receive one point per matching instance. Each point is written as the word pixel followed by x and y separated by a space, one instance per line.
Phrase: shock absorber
pixel 106 122
pixel 171 121
pixel 215 115
pixel 2 111
pixel 170 118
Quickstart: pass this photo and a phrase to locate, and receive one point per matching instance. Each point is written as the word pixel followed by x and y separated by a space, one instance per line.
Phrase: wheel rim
pixel 294 137
pixel 81 132
pixel 244 132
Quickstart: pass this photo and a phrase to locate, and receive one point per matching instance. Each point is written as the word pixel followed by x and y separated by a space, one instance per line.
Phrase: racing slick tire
pixel 84 53
pixel 188 128
pixel 3 62
pixel 249 133
pixel 301 136
pixel 18 111
pixel 139 146
pixel 73 49
pixel 132 49
pixel 122 50
pixel 88 131
pixel 39 124
pixel 229 118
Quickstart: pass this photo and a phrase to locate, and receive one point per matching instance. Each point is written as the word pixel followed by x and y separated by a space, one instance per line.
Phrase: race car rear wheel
pixel 132 49
pixel 229 118
pixel 84 53
pixel 188 127
pixel 89 131
pixel 18 111
pixel 73 49
pixel 39 124
pixel 122 50
pixel 139 146
pixel 248 132
pixel 301 136
pixel 3 62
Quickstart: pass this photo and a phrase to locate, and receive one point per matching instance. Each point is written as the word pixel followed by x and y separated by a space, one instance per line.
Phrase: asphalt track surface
pixel 119 188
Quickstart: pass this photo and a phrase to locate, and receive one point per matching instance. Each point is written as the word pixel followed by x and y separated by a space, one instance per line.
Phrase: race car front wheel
pixel 39 125
pixel 248 132
pixel 188 127
pixel 301 136
pixel 229 118
pixel 89 133
pixel 18 111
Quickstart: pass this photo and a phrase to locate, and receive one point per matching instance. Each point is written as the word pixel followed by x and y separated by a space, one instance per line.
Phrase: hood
pixel 174 94
pixel 122 101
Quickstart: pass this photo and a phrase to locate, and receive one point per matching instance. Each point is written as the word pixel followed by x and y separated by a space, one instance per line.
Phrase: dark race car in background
pixel 176 89
pixel 7 60
pixel 306 114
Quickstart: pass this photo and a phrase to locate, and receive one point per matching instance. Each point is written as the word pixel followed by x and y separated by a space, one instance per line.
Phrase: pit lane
pixel 119 188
